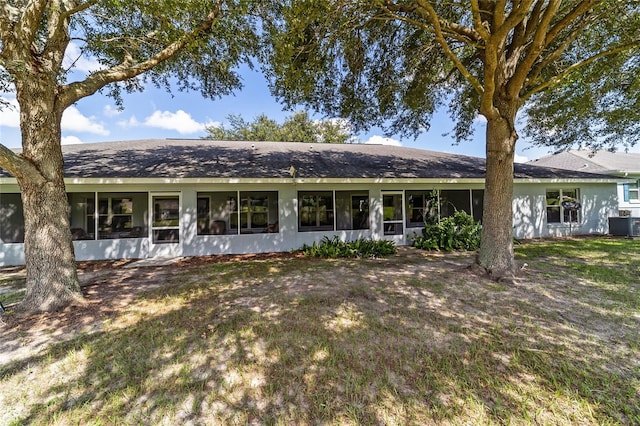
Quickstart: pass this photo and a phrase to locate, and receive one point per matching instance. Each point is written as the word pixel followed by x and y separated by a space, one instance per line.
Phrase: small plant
pixel 336 248
pixel 457 232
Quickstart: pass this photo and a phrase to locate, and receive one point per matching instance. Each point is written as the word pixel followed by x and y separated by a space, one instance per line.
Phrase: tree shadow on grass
pixel 368 346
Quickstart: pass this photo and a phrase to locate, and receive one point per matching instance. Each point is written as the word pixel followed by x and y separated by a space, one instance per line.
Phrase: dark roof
pixel 594 162
pixel 168 158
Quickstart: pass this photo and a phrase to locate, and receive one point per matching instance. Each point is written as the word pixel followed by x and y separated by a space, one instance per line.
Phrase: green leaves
pixel 393 63
pixel 296 128
pixel 361 248
pixel 457 232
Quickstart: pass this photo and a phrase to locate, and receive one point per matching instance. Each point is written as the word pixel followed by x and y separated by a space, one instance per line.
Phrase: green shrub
pixel 335 248
pixel 457 232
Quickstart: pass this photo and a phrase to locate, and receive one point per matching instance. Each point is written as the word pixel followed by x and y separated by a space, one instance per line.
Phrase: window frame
pixel 169 229
pixel 228 216
pixel 315 211
pixel 562 213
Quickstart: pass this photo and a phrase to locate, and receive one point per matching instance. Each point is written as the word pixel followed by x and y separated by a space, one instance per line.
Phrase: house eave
pixel 284 181
pixel 567 180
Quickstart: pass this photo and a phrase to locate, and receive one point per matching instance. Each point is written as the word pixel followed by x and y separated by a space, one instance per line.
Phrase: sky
pixel 154 113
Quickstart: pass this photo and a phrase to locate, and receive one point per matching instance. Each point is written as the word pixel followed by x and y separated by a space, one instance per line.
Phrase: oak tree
pixel 568 69
pixel 191 44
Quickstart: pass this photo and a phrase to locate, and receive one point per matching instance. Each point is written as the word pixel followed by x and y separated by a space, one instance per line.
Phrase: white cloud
pixel 520 158
pixel 131 122
pixel 73 57
pixel 382 140
pixel 10 115
pixel 70 140
pixel 74 121
pixel 110 111
pixel 180 121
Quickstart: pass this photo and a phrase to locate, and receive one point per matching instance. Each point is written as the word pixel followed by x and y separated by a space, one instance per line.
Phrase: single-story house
pixel 148 198
pixel 623 164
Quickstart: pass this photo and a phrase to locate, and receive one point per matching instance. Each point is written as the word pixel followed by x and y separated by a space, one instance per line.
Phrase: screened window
pixel 166 219
pixel 221 213
pixel 11 218
pixel 556 213
pixel 422 208
pixel 429 206
pixel 315 211
pixel 108 215
pixel 352 210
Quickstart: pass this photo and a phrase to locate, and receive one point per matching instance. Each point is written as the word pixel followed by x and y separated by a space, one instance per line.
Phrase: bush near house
pixel 457 232
pixel 362 248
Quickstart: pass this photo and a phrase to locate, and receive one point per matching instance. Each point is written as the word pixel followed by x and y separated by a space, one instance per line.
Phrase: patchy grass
pixel 12 285
pixel 399 340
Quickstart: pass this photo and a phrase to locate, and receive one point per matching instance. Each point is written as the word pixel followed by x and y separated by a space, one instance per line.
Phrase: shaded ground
pixel 415 338
pixel 108 286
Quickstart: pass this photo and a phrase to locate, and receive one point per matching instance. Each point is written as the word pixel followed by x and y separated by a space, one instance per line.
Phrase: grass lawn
pixel 414 338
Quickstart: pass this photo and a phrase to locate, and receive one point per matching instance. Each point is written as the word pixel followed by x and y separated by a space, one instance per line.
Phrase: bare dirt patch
pixel 107 286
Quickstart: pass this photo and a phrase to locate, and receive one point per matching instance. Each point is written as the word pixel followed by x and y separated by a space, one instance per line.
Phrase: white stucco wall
pixel 632 205
pixel 599 201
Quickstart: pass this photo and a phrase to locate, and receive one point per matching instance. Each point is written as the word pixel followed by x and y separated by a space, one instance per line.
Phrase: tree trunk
pixel 496 246
pixel 52 280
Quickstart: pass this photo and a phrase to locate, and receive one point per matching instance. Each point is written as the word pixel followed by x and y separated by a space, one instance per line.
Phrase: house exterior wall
pixel 633 205
pixel 599 201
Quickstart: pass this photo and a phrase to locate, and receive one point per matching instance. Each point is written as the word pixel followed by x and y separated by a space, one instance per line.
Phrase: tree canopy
pixel 298 127
pixel 573 64
pixel 190 44
pixel 567 69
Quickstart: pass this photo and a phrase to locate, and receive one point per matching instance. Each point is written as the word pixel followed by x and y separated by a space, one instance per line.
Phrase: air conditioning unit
pixel 625 226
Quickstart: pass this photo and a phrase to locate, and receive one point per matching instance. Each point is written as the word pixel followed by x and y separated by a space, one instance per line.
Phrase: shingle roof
pixel 168 158
pixel 587 161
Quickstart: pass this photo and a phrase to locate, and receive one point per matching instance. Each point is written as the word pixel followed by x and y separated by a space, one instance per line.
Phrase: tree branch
pixel 556 53
pixel 560 76
pixel 539 42
pixel 128 68
pixel 19 166
pixel 30 21
pixel 477 21
pixel 516 16
pixel 582 8
pixel 439 37
pixel 9 15
pixel 60 12
pixel 456 31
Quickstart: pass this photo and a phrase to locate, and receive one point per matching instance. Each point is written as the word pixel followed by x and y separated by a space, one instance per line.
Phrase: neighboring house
pixel 148 198
pixel 622 164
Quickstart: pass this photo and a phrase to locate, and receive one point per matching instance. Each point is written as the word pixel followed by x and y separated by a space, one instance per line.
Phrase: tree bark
pixel 496 246
pixel 52 280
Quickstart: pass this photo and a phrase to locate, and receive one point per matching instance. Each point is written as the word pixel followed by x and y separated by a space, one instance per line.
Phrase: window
pixel 422 207
pixel 220 212
pixel 11 218
pixel 632 191
pixel 82 209
pixel 477 204
pixel 453 200
pixel 392 221
pixel 352 210
pixel 428 206
pixel 115 216
pixel 556 213
pixel 315 211
pixel 254 212
pixel 166 219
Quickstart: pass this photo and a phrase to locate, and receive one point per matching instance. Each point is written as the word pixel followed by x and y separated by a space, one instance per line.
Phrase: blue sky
pixel 155 113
